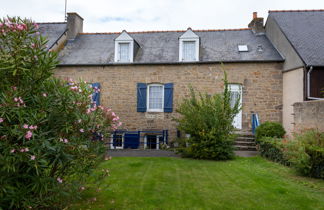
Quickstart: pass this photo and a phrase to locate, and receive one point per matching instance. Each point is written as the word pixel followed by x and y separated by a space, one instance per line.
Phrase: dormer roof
pixel 189 34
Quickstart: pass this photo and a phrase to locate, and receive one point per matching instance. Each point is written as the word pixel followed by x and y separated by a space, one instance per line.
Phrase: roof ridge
pixel 305 10
pixel 51 22
pixel 161 31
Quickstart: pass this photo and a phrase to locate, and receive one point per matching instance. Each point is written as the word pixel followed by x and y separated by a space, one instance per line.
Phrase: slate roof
pixel 52 31
pixel 305 31
pixel 163 47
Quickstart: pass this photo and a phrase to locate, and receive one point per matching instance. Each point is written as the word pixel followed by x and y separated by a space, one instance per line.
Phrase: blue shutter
pixel 141 97
pixel 168 97
pixel 96 94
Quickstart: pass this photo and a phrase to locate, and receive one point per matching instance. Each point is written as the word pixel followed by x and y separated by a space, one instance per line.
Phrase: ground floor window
pixel 153 141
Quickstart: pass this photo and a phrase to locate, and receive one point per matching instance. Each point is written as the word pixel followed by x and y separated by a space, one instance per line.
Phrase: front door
pixel 236 93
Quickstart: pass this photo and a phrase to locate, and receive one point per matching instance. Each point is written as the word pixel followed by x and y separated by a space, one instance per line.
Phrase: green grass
pixel 174 183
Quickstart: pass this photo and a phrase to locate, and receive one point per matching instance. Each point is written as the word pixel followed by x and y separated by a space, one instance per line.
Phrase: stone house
pixel 144 75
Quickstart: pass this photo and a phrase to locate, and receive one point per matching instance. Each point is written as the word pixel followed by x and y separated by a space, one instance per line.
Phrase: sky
pixel 148 15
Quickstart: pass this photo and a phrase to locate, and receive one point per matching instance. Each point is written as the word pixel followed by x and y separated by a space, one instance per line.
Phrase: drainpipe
pixel 308 85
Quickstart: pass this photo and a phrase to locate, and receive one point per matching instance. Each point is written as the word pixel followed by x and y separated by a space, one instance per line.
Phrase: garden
pixel 53 153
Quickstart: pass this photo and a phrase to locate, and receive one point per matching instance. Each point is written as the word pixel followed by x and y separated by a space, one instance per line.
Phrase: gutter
pixel 171 63
pixel 308 85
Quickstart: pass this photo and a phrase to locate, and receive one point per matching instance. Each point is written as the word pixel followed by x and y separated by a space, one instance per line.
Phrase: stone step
pixel 244 138
pixel 245 143
pixel 245 148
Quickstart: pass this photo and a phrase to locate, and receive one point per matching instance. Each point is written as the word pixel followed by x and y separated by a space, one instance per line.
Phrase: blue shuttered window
pixel 141 97
pixel 96 94
pixel 168 97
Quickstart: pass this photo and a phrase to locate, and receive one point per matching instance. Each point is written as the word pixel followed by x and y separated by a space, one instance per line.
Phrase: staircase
pixel 245 141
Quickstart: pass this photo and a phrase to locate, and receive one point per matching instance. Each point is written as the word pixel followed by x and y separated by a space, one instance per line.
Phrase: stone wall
pixel 262 88
pixel 309 115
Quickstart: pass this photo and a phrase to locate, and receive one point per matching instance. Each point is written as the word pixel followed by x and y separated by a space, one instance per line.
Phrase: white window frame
pixel 181 56
pixel 148 98
pixel 130 51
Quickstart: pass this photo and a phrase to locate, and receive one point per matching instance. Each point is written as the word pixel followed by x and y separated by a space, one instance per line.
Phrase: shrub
pixel 306 153
pixel 208 120
pixel 273 149
pixel 270 129
pixel 50 137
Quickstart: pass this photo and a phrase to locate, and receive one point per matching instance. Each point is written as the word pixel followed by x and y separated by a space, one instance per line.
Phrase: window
pixel 243 48
pixel 125 47
pixel 155 98
pixel 188 46
pixel 189 50
pixel 123 52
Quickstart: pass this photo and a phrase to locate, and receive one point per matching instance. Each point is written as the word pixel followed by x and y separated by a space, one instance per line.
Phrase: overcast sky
pixel 140 15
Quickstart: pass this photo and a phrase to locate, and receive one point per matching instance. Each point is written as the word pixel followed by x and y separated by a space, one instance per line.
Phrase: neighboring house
pixel 144 75
pixel 299 37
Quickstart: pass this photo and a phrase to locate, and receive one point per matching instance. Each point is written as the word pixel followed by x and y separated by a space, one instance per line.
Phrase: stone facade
pixel 262 88
pixel 309 115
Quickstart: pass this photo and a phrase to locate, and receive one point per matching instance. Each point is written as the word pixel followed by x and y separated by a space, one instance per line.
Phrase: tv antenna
pixel 65 16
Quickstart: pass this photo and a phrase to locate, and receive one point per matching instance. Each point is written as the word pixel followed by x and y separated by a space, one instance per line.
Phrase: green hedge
pixel 272 149
pixel 305 152
pixel 270 129
pixel 316 161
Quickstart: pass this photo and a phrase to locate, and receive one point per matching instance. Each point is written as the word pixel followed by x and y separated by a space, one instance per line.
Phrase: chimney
pixel 74 25
pixel 257 24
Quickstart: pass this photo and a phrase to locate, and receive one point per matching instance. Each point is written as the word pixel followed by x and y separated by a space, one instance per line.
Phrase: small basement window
pixel 243 48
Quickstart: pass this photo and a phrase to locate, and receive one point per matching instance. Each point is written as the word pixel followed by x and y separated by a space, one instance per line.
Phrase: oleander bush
pixel 270 129
pixel 208 120
pixel 51 134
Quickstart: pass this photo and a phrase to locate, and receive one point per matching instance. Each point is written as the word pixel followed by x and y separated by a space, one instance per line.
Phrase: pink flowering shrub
pixel 51 135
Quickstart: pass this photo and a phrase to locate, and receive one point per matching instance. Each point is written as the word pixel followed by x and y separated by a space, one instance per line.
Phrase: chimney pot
pixel 255 15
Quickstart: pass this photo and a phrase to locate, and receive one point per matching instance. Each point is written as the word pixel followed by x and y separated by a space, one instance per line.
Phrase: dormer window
pixel 123 52
pixel 189 46
pixel 125 48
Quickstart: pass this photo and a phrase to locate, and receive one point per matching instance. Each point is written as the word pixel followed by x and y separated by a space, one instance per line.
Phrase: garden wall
pixel 309 114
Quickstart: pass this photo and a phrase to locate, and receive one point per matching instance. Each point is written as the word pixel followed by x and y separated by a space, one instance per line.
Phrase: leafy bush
pixel 50 137
pixel 273 149
pixel 208 120
pixel 306 153
pixel 270 129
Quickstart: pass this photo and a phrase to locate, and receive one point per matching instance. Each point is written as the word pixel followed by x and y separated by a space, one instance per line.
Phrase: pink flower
pixel 32 157
pixel 44 94
pixel 25 126
pixel 81 130
pixel 59 180
pixel 14 87
pixel 26 149
pixel 113 114
pixel 116 118
pixel 119 124
pixel 1 120
pixel 65 140
pixel 28 135
pixel 22 150
pixel 61 140
pixel 12 151
pixel 82 188
pixel 33 127
pixel 16 99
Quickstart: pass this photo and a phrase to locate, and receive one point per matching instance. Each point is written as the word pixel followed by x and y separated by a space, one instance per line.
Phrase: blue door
pixel 132 140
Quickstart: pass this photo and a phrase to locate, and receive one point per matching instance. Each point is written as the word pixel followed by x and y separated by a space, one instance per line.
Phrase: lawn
pixel 175 183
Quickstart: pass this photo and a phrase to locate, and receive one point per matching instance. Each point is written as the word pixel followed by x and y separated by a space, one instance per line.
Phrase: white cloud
pixel 139 15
